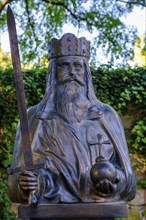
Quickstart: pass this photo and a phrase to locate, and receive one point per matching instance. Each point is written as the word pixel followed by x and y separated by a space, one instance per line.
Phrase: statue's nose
pixel 72 71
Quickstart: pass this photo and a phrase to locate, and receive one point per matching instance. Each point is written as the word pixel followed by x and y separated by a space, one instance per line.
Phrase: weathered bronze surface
pixel 80 140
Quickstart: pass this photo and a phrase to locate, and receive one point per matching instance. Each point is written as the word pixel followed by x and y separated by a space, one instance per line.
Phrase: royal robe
pixel 68 152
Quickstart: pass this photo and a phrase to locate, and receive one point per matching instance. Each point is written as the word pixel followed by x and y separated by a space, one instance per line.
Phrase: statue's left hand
pixel 106 187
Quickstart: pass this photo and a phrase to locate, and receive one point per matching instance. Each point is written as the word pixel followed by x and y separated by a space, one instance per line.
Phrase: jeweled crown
pixel 68 45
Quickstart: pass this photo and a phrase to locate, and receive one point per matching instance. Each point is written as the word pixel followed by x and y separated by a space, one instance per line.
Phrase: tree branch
pixel 4 3
pixel 65 6
pixel 29 19
pixel 135 3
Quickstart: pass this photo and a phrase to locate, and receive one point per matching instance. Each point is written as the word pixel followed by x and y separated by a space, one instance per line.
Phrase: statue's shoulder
pixel 110 116
pixel 108 109
pixel 32 112
pixel 110 113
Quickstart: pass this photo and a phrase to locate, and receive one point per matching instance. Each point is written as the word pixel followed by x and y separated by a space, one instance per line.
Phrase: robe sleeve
pixel 114 128
pixel 45 177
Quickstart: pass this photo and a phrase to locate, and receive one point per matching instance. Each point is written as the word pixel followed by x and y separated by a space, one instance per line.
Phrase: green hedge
pixel 34 82
pixel 123 88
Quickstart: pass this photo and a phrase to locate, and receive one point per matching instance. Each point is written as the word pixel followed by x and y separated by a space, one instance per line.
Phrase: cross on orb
pixel 99 143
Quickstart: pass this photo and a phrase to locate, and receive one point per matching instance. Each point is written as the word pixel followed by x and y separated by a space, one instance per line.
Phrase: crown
pixel 68 45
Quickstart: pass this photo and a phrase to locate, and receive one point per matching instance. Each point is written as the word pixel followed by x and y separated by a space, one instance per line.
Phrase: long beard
pixel 71 101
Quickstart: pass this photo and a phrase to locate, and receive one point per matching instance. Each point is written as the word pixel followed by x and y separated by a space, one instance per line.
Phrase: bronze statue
pixel 79 139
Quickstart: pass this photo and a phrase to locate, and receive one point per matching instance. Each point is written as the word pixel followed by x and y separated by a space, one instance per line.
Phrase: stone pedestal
pixel 82 211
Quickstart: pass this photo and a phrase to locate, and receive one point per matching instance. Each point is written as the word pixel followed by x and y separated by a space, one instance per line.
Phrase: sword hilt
pixel 29 167
pixel 32 199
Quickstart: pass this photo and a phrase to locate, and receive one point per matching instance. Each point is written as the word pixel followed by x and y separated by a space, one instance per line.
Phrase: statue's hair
pixel 50 90
pixel 90 90
pixel 43 109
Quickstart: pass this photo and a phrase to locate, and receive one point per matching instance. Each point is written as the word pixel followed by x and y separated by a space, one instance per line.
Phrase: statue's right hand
pixel 28 181
pixel 106 187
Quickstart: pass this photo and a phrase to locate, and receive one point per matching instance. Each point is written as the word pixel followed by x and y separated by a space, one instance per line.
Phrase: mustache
pixel 69 79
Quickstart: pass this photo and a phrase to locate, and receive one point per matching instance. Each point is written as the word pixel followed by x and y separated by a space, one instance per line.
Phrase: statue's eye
pixel 78 66
pixel 64 66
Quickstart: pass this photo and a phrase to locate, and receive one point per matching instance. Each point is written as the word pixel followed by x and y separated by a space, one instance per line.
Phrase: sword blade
pixel 26 146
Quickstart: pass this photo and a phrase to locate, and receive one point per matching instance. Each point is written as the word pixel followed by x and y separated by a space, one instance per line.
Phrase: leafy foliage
pixel 139 133
pixel 39 20
pixel 141 183
pixel 5 204
pixel 123 88
pixel 138 161
pixel 34 84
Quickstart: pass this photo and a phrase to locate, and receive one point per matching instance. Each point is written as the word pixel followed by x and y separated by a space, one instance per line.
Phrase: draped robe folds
pixel 67 154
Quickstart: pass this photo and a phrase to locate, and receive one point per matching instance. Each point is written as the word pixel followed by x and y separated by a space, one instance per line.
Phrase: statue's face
pixel 71 67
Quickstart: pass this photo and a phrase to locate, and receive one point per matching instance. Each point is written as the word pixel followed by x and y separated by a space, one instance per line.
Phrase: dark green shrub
pixel 34 85
pixel 125 90
pixel 121 88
